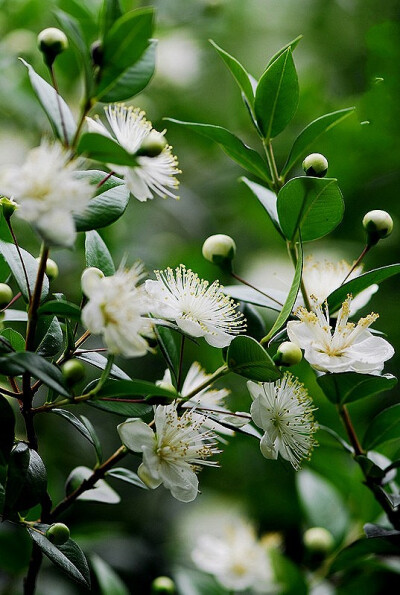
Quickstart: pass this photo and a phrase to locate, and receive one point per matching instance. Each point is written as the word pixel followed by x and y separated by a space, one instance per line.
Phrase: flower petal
pixel 135 435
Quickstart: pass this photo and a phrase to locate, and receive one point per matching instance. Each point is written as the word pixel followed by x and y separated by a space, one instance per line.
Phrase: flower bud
pixel 220 250
pixel 318 539
pixel 288 354
pixel 58 533
pixel 153 144
pixel 378 225
pixel 73 371
pixel 9 206
pixel 51 268
pixel 315 165
pixel 6 294
pixel 89 279
pixel 51 42
pixel 163 584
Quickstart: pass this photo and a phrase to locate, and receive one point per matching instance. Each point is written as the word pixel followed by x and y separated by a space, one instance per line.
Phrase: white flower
pixel 350 348
pixel 284 411
pixel 171 454
pixel 152 175
pixel 48 192
pixel 199 309
pixel 236 558
pixel 321 278
pixel 116 309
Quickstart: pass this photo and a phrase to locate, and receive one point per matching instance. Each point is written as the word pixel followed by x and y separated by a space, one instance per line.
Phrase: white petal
pixel 147 477
pixel 299 333
pixel 372 350
pixel 136 185
pixel 92 318
pixel 255 389
pixel 95 125
pixel 219 339
pixel 190 327
pixel 267 447
pixel 136 435
pixel 57 228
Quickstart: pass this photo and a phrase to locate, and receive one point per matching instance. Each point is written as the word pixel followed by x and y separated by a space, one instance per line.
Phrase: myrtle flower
pixel 237 559
pixel 117 308
pixel 48 192
pixel 199 309
pixel 321 278
pixel 151 175
pixel 284 411
pixel 350 348
pixel 173 453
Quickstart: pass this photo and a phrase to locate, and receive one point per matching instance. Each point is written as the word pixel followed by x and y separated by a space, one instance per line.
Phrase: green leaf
pixel 40 368
pixel 169 350
pixel 239 73
pixel 133 388
pixel 277 96
pixel 128 476
pixel 292 45
pixel 247 358
pixel 99 361
pixel 125 42
pixel 121 407
pixel 26 479
pixel 102 148
pixel 15 339
pixel 290 300
pixel 233 147
pixel 357 551
pixel 78 425
pixel 311 133
pixel 101 492
pixel 106 207
pixel 69 556
pixel 350 386
pixel 53 339
pixel 11 256
pixel 268 200
pixel 60 308
pixel 11 315
pixel 7 425
pixel 97 254
pixel 193 582
pixel 255 323
pixel 134 79
pixel 108 580
pixel 383 428
pixel 110 12
pixel 95 439
pixel 312 205
pixel 251 296
pixel 64 128
pixel 355 286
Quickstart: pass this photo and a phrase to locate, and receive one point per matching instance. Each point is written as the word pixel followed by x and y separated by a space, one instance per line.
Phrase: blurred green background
pixel 349 56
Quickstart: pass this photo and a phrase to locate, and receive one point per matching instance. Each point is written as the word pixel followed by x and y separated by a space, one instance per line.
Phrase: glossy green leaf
pixel 288 574
pixel 311 133
pixel 69 556
pixel 11 315
pixel 312 205
pixel 277 96
pixel 64 127
pixel 110 12
pixel 108 580
pixel 77 423
pixel 133 388
pixel 251 296
pixel 383 428
pixel 11 256
pixel 355 286
pixel 358 551
pixel 169 350
pixel 101 492
pixel 134 79
pixel 350 386
pixel 7 425
pixel 255 324
pixel 238 72
pixel 83 13
pixel 14 339
pixel 60 308
pixel 26 479
pixel 97 254
pixel 95 439
pixel 40 368
pixel 233 147
pixel 292 45
pixel 193 582
pixel 52 340
pixel 121 406
pixel 104 149
pixel 128 476
pixel 268 200
pixel 247 358
pixel 99 361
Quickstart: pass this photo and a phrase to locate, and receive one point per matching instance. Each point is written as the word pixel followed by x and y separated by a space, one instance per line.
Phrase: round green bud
pixel 58 533
pixel 51 42
pixel 96 51
pixel 315 165
pixel 51 268
pixel 318 539
pixel 288 354
pixel 220 250
pixel 163 584
pixel 73 371
pixel 9 206
pixel 154 143
pixel 378 225
pixel 6 294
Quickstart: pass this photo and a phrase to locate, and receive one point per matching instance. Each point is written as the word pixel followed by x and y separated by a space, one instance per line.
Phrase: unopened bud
pixel 220 250
pixel 378 225
pixel 318 539
pixel 90 278
pixel 51 42
pixel 9 206
pixel 73 371
pixel 58 533
pixel 288 354
pixel 51 268
pixel 163 584
pixel 6 294
pixel 153 144
pixel 315 165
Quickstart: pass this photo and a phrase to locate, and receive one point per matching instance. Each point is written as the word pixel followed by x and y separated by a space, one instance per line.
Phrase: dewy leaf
pixel 277 96
pixel 233 147
pixel 40 368
pixel 97 254
pixel 108 580
pixel 290 300
pixel 350 386
pixel 239 73
pixel 106 150
pixel 268 200
pixel 311 133
pixel 99 361
pixel 247 358
pixel 312 205
pixel 48 99
pixel 11 256
pixel 355 286
pixel 69 557
pixel 383 428
pixel 128 476
pixel 292 45
pixel 7 425
pixel 101 492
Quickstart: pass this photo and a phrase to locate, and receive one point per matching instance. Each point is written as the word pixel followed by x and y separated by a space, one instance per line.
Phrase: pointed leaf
pixel 383 428
pixel 128 476
pixel 352 555
pixel 239 73
pixel 11 256
pixel 268 200
pixel 40 368
pixel 292 45
pixel 247 358
pixel 95 439
pixel 26 479
pixel 7 425
pixel 97 254
pixel 104 149
pixel 350 386
pixel 78 425
pixel 61 308
pixel 108 580
pixel 52 341
pixel 169 350
pixel 110 12
pixel 14 339
pixel 101 492
pixel 133 388
pixel 251 296
pixel 99 361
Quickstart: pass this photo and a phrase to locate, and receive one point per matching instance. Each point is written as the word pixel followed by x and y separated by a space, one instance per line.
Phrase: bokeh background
pixel 349 55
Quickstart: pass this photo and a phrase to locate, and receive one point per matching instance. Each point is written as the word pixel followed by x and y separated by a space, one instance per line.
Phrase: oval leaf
pixel 97 254
pixel 101 492
pixel 104 149
pixel 383 428
pixel 60 308
pixel 26 479
pixel 247 358
pixel 350 386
